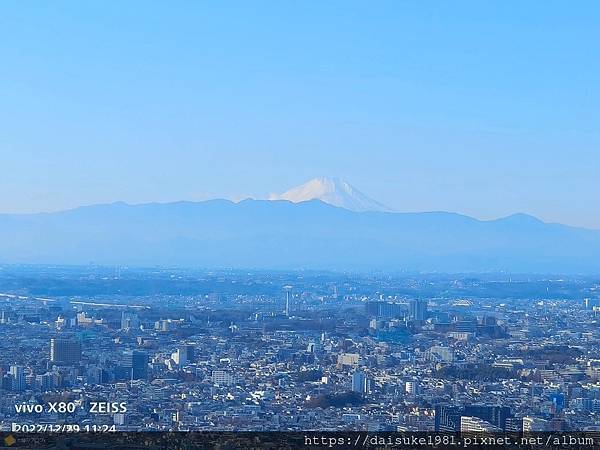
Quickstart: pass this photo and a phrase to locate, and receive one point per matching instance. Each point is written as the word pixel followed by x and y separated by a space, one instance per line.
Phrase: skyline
pixel 484 110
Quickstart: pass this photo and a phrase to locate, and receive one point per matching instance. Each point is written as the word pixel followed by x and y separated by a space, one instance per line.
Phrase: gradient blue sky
pixel 484 108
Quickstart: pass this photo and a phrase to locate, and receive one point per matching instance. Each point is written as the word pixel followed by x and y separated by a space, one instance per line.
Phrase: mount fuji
pixel 333 191
pixel 324 224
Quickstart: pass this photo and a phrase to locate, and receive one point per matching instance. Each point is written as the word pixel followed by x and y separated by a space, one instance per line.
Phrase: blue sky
pixel 484 108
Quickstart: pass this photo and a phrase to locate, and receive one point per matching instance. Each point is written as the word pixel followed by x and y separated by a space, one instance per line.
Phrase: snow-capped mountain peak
pixel 334 191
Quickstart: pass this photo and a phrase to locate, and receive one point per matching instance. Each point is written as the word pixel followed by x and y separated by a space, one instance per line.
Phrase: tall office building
pixel 417 309
pixel 65 351
pixel 190 352
pixel 137 364
pixel 17 374
pixel 183 355
pixel 447 418
pixel 361 382
pixel 287 300
pixel 494 414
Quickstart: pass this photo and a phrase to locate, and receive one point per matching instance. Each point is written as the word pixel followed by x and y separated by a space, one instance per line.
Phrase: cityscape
pixel 127 349
pixel 299 224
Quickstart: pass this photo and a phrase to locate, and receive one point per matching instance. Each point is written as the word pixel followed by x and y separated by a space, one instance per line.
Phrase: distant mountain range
pixel 286 235
pixel 333 191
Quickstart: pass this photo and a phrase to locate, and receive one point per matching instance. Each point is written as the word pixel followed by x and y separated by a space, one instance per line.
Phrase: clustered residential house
pixel 315 359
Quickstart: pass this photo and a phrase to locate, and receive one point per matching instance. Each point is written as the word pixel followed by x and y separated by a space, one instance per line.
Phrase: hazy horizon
pixel 271 198
pixel 263 198
pixel 480 109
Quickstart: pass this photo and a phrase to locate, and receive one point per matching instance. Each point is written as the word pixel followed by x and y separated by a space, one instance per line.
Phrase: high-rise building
pixel 558 424
pixel 137 364
pixel 97 375
pixel 180 356
pixel 129 321
pixel 489 320
pixel 17 374
pixel 287 300
pixel 412 387
pixel 361 382
pixel 465 326
pixel 190 352
pixel 514 424
pixel 558 401
pixel 534 424
pixel 119 419
pixel 65 351
pixel 417 309
pixel 494 414
pixel 221 377
pixel 444 354
pixel 44 381
pixel 591 303
pixel 384 310
pixel 447 418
